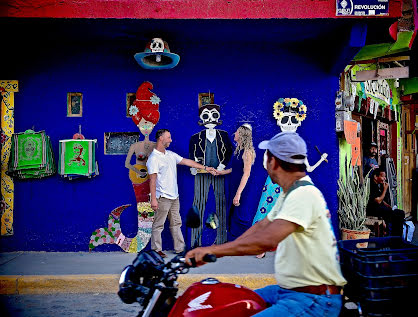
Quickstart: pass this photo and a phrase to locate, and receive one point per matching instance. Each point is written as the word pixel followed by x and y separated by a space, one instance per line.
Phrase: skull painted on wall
pixel 209 115
pixel 289 113
pixel 157 45
pixel 288 123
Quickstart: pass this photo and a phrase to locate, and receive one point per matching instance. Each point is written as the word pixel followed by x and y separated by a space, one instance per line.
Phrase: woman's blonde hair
pixel 245 141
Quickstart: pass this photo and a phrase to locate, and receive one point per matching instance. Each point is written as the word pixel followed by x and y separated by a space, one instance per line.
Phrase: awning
pixel 372 51
pixel 409 85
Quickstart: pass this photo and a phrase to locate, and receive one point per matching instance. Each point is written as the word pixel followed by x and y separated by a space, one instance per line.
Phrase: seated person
pixel 370 160
pixel 378 207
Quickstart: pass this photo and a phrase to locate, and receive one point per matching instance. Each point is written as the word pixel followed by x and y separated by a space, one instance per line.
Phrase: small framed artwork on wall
pixel 206 98
pixel 74 104
pixel 130 98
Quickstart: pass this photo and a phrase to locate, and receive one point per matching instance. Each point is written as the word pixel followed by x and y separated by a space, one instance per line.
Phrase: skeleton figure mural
pixel 210 147
pixel 145 114
pixel 157 56
pixel 289 113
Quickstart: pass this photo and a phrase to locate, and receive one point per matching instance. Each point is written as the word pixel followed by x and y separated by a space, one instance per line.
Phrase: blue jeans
pixel 284 302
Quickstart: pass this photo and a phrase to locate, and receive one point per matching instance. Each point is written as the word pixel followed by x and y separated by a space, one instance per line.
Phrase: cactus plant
pixel 353 196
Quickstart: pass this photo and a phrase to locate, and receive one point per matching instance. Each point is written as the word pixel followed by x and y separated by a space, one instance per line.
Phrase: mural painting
pixel 210 147
pixel 7 90
pixel 289 113
pixel 145 114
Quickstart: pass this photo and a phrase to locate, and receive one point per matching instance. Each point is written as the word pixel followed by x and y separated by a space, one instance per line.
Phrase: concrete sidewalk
pixel 98 272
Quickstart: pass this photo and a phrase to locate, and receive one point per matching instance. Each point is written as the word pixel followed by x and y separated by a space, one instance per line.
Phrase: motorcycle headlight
pixel 122 277
pixel 126 288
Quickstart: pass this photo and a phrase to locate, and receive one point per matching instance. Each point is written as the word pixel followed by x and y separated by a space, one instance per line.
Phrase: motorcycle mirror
pixel 212 221
pixel 193 218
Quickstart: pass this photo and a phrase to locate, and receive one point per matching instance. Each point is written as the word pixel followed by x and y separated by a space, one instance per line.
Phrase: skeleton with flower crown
pixel 289 113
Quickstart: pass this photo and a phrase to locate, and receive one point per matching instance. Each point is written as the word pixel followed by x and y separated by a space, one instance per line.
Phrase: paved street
pixel 80 305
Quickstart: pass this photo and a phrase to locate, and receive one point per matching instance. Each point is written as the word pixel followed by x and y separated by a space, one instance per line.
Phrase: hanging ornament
pixel 157 56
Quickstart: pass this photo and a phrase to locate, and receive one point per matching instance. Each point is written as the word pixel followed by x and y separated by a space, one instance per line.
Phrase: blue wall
pixel 248 65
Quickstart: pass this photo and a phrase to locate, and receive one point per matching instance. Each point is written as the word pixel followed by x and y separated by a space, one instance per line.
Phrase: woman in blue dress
pixel 243 159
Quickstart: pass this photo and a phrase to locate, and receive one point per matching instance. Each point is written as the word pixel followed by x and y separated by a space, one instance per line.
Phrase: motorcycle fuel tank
pixel 213 298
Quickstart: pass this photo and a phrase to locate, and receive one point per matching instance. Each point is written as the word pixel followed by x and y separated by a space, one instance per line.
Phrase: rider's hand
pixel 198 255
pixel 385 185
pixel 154 204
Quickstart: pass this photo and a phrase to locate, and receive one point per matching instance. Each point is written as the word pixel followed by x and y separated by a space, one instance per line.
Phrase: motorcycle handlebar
pixel 209 258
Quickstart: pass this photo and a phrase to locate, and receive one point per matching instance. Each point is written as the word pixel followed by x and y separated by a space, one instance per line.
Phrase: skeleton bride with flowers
pixel 289 113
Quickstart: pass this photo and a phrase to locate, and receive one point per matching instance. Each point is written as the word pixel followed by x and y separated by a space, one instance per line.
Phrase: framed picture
pixel 130 98
pixel 206 98
pixel 118 143
pixel 74 104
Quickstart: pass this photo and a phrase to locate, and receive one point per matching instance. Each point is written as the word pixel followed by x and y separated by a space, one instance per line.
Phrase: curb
pixel 108 283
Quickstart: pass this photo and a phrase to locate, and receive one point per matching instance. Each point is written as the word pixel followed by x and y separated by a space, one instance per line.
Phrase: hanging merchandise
pixel 157 56
pixel 31 155
pixel 77 157
pixel 378 98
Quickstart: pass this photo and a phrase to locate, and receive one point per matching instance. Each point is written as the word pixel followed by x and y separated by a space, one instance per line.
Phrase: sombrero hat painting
pixel 157 55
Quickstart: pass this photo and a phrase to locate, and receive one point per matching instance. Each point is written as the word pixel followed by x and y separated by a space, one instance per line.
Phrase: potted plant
pixel 353 196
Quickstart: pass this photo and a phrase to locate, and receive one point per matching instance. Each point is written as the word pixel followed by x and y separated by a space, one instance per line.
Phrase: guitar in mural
pixel 145 114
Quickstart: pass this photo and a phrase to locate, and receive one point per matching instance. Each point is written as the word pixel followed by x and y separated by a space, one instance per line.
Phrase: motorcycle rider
pixel 307 271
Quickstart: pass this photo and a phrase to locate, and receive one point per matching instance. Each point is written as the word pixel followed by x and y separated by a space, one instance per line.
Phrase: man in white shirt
pixel 162 170
pixel 307 271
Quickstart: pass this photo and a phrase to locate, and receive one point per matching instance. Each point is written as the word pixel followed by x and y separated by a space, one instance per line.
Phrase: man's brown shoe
pixel 162 254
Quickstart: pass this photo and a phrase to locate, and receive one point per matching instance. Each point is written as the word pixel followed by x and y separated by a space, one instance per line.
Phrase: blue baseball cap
pixel 285 145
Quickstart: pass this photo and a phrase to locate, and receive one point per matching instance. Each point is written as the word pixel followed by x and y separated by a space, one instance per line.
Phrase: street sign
pixel 362 7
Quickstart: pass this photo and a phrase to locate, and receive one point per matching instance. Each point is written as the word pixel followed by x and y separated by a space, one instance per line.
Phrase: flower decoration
pixel 269 199
pixel 263 210
pixel 133 110
pixel 294 102
pixel 155 100
pixel 277 190
pixel 300 116
pixel 3 138
pixel 289 105
pixel 264 188
pixel 146 211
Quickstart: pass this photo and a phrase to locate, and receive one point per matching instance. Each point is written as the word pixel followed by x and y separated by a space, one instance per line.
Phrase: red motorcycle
pixel 153 284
